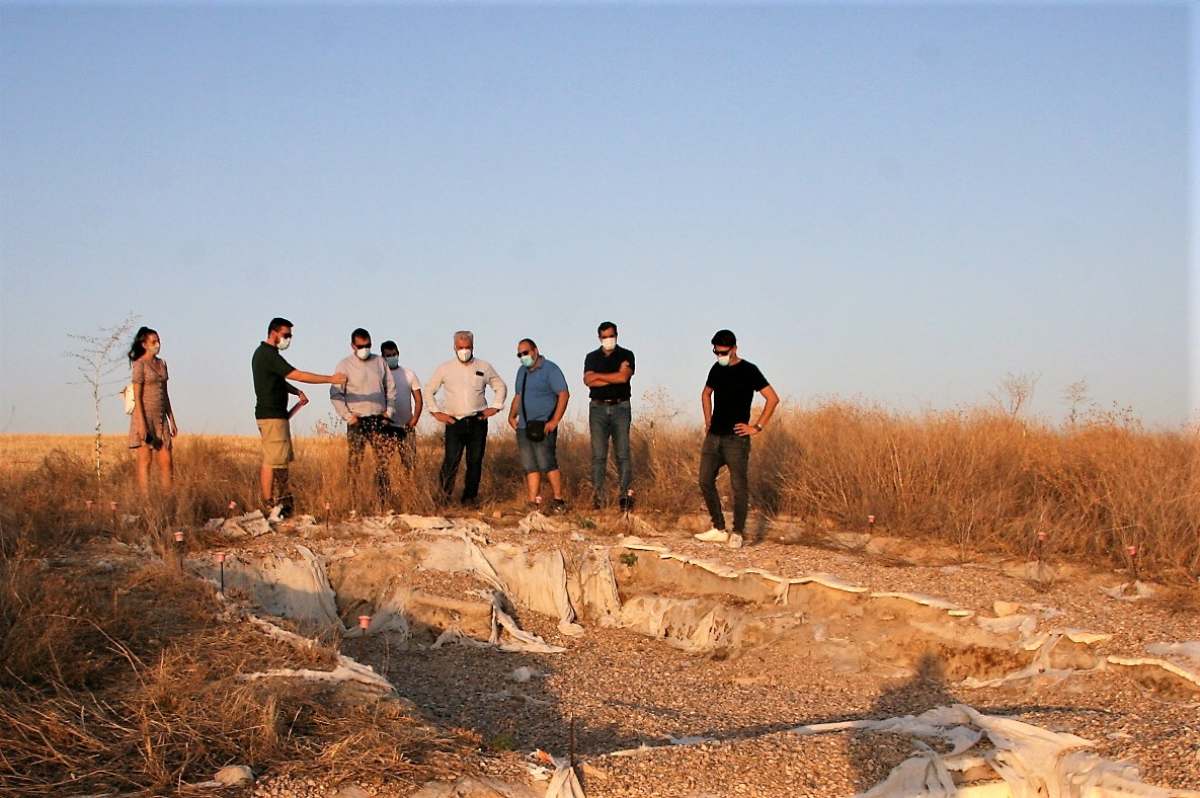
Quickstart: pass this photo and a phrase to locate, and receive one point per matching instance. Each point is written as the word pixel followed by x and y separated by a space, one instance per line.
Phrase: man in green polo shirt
pixel 271 388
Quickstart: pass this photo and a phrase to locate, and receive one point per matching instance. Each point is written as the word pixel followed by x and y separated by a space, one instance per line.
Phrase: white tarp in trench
pixel 299 589
pixel 1033 762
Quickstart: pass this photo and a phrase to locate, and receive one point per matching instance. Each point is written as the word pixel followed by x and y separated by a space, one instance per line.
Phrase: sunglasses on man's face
pixel 286 335
pixel 524 352
pixel 721 352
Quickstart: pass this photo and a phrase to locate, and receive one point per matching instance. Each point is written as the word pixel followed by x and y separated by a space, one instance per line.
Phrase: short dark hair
pixel 359 332
pixel 389 346
pixel 529 341
pixel 606 325
pixel 277 324
pixel 724 338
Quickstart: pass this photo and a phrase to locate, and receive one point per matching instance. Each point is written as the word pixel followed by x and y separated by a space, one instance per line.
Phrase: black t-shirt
pixel 270 386
pixel 733 393
pixel 602 363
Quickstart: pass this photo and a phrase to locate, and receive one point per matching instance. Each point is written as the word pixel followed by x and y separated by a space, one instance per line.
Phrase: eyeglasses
pixel 721 352
pixel 286 335
pixel 524 352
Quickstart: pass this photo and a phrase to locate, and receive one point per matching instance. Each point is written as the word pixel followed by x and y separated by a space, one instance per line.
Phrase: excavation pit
pixel 642 647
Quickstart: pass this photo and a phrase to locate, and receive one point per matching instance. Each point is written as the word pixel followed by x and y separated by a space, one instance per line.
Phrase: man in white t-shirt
pixel 406 404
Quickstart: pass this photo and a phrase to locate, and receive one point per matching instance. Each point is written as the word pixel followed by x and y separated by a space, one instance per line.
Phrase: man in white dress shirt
pixel 465 411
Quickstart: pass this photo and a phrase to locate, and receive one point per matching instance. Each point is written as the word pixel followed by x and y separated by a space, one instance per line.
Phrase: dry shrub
pixel 120 679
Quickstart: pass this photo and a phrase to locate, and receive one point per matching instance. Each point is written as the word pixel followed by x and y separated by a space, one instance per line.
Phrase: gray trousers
pixel 732 451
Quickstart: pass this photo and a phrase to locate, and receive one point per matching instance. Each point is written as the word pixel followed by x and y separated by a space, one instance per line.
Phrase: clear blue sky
pixel 899 204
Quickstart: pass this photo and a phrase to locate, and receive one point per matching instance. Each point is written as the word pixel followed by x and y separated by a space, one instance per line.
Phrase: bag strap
pixel 524 380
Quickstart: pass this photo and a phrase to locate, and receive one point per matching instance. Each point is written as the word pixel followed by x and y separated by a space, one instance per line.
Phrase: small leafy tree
pixel 98 359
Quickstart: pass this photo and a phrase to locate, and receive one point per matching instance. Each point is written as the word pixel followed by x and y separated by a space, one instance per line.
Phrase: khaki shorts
pixel 276 442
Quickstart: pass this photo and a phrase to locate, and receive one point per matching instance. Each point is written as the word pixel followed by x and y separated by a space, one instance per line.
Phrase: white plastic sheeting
pixel 346 670
pixel 1032 761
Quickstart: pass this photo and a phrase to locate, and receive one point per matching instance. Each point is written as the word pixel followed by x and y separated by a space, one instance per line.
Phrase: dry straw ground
pixel 124 680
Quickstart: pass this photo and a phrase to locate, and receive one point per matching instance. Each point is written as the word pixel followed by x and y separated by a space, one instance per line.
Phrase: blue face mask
pixel 527 361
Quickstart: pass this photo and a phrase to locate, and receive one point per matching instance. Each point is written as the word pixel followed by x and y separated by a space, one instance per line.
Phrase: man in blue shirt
pixel 537 408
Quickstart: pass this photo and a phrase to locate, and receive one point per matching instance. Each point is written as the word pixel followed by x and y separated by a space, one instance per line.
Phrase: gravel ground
pixel 623 690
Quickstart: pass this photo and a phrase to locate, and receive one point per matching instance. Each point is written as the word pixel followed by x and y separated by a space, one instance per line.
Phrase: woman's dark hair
pixel 139 343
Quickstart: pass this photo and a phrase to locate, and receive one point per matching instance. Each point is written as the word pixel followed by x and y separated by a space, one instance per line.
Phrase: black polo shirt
pixel 270 384
pixel 603 362
pixel 733 394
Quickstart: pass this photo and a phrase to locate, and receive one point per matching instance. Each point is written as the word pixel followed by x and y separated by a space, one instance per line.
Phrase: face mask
pixel 465 355
pixel 363 352
pixel 153 349
pixel 723 360
pixel 608 344
pixel 283 344
pixel 393 361
pixel 527 361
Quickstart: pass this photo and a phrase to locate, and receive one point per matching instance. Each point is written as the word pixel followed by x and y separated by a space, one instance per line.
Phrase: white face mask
pixel 465 355
pixel 608 344
pixel 722 360
pixel 363 352
pixel 283 344
pixel 154 349
pixel 527 361
pixel 393 361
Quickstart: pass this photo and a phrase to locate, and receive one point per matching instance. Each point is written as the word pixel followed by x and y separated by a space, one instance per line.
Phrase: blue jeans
pixel 612 421
pixel 538 456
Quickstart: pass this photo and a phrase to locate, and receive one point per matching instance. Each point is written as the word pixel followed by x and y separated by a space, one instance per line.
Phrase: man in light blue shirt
pixel 537 408
pixel 365 403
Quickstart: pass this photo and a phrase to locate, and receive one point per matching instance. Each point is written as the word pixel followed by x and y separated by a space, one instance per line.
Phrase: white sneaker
pixel 713 535
pixel 735 541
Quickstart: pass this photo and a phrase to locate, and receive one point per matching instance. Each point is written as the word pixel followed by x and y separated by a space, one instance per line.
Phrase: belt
pixel 609 401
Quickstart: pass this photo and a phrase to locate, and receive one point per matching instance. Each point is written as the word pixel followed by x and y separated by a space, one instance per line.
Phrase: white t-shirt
pixel 402 405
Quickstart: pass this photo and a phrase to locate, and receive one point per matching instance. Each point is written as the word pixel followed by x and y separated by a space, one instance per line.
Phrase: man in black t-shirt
pixel 271 388
pixel 726 399
pixel 606 372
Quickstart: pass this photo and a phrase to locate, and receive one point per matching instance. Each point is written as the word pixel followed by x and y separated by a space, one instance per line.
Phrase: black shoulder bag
pixel 534 430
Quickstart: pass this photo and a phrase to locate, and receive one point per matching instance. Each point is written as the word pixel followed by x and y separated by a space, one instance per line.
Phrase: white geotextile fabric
pixel 1033 762
pixel 598 594
pixel 290 588
pixel 251 524
pixel 564 784
pixel 537 581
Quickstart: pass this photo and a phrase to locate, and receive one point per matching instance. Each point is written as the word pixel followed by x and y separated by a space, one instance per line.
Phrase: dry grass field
pixel 975 479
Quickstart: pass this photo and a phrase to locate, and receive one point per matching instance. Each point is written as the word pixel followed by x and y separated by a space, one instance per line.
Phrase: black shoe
pixel 626 502
pixel 472 503
pixel 558 507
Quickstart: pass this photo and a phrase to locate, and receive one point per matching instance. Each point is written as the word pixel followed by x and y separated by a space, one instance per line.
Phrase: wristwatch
pixel 758 427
